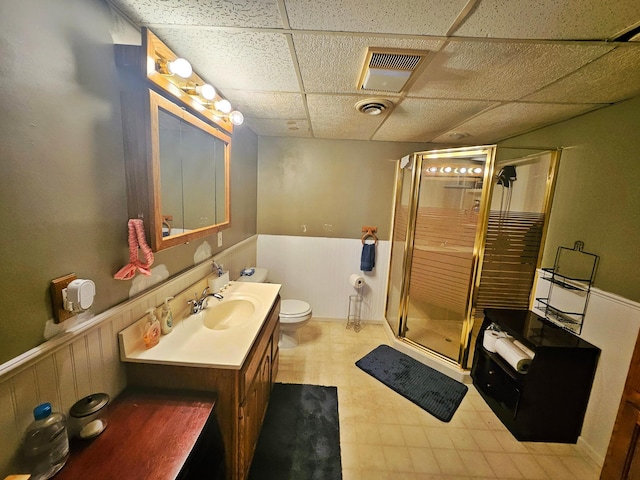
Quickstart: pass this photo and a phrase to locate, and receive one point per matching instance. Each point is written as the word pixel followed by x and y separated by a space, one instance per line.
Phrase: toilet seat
pixel 292 310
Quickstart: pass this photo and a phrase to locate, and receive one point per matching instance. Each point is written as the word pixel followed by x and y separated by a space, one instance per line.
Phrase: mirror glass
pixel 191 172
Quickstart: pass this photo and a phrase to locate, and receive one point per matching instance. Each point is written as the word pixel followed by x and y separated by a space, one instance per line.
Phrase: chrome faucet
pixel 199 304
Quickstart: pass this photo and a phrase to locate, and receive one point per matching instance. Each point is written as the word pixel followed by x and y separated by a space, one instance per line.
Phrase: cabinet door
pixel 623 461
pixel 494 381
pixel 252 412
pixel 623 457
pixel 264 380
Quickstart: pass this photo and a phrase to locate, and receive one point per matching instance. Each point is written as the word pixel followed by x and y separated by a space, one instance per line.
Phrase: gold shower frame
pixel 489 151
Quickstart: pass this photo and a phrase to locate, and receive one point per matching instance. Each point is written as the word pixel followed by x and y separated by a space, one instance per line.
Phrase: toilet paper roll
pixel 513 355
pixel 489 340
pixel 356 280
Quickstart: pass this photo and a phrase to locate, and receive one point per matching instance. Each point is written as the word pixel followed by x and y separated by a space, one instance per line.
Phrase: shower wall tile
pixel 88 361
pixel 317 270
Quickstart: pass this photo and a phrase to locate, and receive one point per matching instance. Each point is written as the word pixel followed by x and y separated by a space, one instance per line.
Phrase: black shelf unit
pixel 548 403
pixel 570 278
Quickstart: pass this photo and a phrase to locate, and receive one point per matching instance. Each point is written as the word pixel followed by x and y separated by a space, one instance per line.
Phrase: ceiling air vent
pixel 389 70
pixel 374 106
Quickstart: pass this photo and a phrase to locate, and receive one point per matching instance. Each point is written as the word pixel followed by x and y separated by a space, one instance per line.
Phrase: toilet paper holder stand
pixel 355 309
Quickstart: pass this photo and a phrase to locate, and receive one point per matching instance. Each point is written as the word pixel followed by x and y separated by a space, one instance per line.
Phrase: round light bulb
pixel 236 117
pixel 477 170
pixel 207 91
pixel 223 106
pixel 180 67
pixel 447 169
pixel 463 170
pixel 433 169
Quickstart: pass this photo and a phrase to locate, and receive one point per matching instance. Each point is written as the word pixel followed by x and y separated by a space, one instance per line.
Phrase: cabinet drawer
pixel 494 381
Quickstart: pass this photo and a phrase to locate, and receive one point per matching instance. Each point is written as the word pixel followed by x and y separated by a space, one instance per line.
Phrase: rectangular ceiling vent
pixel 389 70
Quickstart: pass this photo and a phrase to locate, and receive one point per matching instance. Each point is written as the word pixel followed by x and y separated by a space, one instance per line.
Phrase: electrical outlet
pixel 57 285
pixel 219 239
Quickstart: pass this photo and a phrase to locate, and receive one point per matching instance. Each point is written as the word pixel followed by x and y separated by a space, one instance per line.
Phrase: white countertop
pixel 191 343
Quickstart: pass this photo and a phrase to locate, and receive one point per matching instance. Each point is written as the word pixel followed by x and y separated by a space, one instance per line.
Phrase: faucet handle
pixel 204 292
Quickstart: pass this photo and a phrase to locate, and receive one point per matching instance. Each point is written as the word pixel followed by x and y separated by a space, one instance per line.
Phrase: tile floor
pixel 384 436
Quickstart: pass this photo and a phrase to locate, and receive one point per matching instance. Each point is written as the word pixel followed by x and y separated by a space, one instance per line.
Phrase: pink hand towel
pixel 136 239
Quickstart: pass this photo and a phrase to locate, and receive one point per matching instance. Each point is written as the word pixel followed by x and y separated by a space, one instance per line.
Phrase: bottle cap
pixel 42 411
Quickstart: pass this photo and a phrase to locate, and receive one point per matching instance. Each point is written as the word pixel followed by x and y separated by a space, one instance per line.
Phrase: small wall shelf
pixel 570 282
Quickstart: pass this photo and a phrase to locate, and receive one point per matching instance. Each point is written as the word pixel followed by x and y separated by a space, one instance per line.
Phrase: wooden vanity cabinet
pixel 548 403
pixel 243 395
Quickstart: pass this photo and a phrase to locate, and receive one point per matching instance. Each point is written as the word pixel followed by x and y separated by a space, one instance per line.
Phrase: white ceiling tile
pixel 416 17
pixel 223 13
pixel 281 61
pixel 249 60
pixel 550 19
pixel 499 71
pixel 333 63
pixel 594 82
pixel 267 104
pixel 420 120
pixel 273 127
pixel 336 117
pixel 512 119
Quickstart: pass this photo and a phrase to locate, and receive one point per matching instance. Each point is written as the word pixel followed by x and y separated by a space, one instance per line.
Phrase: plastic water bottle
pixel 46 443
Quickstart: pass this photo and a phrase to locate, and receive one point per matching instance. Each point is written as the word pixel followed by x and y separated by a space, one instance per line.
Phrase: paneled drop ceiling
pixel 494 68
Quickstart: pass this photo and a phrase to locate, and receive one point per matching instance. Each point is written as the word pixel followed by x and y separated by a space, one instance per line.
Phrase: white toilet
pixel 293 313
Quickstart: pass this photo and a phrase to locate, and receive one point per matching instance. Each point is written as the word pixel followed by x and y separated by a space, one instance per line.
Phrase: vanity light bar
pixel 447 169
pixel 176 76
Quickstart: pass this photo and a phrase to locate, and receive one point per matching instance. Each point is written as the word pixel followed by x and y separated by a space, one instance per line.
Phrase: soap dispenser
pixel 152 330
pixel 167 317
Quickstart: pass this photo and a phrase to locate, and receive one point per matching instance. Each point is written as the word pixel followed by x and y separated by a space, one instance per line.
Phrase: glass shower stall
pixel 468 231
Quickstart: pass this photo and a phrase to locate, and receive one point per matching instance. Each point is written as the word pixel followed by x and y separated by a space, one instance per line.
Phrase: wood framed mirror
pixel 177 151
pixel 190 175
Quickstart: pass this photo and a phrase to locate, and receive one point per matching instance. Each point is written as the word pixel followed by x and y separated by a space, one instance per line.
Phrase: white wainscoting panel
pixel 317 270
pixel 611 323
pixel 86 359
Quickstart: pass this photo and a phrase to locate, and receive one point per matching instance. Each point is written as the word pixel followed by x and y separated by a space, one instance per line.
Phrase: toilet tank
pixel 259 276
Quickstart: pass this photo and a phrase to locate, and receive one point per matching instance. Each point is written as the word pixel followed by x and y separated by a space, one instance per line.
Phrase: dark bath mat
pixel 429 389
pixel 300 437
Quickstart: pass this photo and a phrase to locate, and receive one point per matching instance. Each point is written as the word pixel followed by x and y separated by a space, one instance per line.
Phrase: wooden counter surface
pixel 149 435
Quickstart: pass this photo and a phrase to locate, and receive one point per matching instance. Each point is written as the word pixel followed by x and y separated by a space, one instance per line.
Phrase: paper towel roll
pixel 530 353
pixel 356 280
pixel 513 355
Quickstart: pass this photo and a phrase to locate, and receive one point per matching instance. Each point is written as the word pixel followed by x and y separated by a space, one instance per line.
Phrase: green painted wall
pixel 597 196
pixel 327 188
pixel 63 202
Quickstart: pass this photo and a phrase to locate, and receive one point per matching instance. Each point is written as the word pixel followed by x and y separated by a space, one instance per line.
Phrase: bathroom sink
pixel 220 336
pixel 228 314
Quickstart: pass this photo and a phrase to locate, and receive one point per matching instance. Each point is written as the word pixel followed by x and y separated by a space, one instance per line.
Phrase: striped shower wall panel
pixel 443 257
pixel 510 259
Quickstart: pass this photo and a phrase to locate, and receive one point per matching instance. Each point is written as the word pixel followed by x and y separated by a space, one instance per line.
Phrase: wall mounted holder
pixel 570 282
pixel 60 314
pixel 70 296
pixel 369 234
